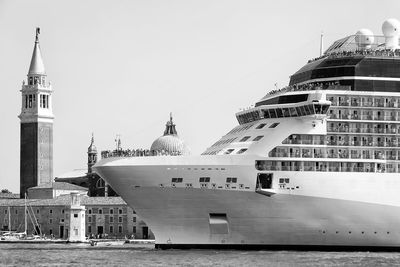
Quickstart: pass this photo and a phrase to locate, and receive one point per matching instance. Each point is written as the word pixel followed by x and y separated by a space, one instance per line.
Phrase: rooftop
pixel 59 186
pixel 64 200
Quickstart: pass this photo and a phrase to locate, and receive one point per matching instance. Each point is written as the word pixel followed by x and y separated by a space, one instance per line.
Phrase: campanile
pixel 36 151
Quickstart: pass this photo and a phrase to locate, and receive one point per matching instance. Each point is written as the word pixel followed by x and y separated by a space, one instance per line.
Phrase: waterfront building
pixel 36 151
pixel 104 217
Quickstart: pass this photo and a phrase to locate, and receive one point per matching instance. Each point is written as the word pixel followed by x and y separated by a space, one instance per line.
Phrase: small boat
pixel 106 242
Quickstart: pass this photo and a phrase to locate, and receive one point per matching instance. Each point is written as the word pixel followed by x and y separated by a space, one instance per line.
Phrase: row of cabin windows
pixel 257 138
pixel 305 110
pixel 240 151
pixel 205 180
pixel 36 80
pixel 31 99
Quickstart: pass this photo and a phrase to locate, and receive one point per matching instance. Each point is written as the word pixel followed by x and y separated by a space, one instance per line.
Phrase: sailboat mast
pixel 9 218
pixel 25 216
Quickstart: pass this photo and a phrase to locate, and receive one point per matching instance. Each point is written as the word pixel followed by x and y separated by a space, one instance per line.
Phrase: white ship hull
pixel 322 210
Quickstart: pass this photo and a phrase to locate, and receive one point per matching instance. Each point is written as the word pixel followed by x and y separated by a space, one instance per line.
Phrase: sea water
pixel 146 255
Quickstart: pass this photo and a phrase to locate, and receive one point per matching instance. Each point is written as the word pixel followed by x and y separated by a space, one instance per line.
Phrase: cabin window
pixel 241 151
pixel 258 138
pixel 274 125
pixel 260 126
pixel 244 139
pixel 231 180
pixel 229 151
pixel 204 179
pixel 177 180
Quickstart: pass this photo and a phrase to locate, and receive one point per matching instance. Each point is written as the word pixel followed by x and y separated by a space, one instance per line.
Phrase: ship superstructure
pixel 313 164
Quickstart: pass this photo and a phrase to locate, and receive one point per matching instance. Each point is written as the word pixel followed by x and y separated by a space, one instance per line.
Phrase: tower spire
pixel 37 66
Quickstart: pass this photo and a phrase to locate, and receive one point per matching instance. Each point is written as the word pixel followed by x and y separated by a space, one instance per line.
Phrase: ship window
pixel 204 179
pixel 260 126
pixel 272 112
pixel 274 125
pixel 231 180
pixel 241 151
pixel 279 113
pixel 258 138
pixel 177 180
pixel 244 139
pixel 229 151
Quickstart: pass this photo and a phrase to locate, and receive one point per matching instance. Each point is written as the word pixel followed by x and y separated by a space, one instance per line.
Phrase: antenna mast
pixel 321 44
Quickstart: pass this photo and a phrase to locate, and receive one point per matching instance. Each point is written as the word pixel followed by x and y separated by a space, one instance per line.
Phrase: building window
pixel 90 211
pixel 30 101
pixel 62 211
pixel 100 211
pixel 119 211
pixel 51 211
pixel 89 229
pixel 120 229
pixel 16 211
pixel 120 219
pixel 37 211
pixel 75 215
pixel 134 219
pixel 111 219
pixel 111 211
pixel 50 231
pixel 111 229
pixel 50 221
pixel 134 229
pixel 5 211
pixel 90 219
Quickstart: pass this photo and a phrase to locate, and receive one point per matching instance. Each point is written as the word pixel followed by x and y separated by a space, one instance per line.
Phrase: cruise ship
pixel 313 165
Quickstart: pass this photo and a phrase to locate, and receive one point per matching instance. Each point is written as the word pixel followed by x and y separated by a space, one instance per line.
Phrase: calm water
pixel 145 255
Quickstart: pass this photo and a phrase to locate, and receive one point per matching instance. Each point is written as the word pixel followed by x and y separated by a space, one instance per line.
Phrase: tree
pixel 5 191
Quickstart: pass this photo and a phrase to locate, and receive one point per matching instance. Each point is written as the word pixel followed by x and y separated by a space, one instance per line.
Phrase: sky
pixel 120 67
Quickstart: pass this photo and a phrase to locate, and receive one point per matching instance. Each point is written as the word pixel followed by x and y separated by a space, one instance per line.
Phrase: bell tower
pixel 36 151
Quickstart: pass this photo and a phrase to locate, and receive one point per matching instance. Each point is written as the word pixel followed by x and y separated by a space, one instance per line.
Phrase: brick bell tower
pixel 36 154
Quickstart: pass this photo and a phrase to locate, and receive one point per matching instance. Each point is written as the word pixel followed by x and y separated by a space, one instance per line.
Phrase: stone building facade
pixel 104 216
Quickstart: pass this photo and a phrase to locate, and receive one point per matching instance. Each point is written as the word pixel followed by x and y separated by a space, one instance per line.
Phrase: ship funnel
pixel 390 29
pixel 364 39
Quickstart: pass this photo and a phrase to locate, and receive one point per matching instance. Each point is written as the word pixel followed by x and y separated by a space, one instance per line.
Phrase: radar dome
pixel 391 27
pixel 364 38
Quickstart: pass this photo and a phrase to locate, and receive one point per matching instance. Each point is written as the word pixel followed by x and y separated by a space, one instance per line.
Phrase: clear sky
pixel 120 67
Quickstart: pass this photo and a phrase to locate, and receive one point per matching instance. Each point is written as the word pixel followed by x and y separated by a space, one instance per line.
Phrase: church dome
pixel 170 142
